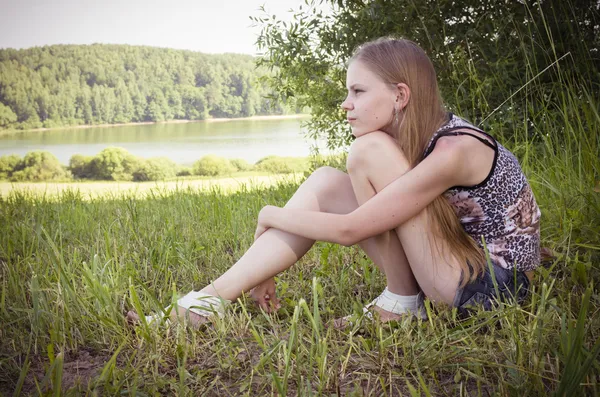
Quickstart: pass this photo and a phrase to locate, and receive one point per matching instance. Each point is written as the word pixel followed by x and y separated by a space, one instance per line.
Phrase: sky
pixel 210 26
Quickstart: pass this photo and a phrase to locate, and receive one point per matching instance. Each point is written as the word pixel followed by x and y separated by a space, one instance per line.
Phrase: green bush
pixel 332 160
pixel 39 166
pixel 8 165
pixel 213 166
pixel 115 164
pixel 282 165
pixel 241 164
pixel 81 166
pixel 155 169
pixel 184 171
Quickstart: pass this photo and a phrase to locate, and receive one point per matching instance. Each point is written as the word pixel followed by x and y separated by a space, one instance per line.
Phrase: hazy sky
pixel 213 26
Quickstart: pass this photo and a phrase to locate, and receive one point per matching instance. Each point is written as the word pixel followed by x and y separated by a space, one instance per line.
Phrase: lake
pixel 184 143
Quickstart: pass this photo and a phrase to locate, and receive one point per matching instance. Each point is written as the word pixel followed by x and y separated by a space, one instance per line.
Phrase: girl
pixel 424 192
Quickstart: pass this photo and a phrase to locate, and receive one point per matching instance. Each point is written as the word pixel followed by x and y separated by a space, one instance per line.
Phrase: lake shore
pixel 113 189
pixel 213 120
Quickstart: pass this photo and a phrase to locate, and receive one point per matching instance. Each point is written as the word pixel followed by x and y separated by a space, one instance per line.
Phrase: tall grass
pixel 71 268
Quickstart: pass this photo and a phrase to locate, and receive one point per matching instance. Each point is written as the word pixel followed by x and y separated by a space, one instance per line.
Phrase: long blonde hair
pixel 402 61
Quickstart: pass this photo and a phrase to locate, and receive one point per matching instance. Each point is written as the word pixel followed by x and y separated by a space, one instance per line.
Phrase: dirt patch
pixel 79 368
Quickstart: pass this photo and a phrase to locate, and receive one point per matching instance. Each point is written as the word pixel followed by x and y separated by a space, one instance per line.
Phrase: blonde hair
pixel 402 61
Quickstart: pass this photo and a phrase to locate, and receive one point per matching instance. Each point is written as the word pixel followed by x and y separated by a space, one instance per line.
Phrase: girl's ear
pixel 402 95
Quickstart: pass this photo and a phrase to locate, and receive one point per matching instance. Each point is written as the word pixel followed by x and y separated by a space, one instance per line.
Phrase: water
pixel 184 143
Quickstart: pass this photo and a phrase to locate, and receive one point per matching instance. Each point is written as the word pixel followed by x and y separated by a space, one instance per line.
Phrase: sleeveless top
pixel 501 209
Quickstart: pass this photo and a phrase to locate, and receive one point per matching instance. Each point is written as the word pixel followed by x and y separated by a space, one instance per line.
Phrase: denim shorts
pixel 512 285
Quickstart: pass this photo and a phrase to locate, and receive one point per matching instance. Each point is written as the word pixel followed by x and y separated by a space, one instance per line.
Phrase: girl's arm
pixel 395 204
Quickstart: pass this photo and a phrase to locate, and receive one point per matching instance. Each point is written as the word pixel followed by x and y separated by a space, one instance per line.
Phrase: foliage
pixel 8 164
pixel 114 164
pixel 282 165
pixel 213 166
pixel 7 116
pixel 184 171
pixel 483 51
pixel 155 169
pixel 81 166
pixel 39 166
pixel 241 164
pixel 63 85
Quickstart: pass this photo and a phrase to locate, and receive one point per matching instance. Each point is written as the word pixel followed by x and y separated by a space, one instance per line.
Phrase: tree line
pixel 63 85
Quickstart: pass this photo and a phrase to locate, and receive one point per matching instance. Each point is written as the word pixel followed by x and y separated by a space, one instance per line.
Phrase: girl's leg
pixel 375 160
pixel 326 190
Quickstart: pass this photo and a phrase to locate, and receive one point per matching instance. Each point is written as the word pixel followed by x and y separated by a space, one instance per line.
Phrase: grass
pixel 104 189
pixel 72 265
pixel 70 268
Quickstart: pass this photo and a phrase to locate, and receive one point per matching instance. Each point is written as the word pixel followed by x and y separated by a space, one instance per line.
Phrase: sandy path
pixel 104 188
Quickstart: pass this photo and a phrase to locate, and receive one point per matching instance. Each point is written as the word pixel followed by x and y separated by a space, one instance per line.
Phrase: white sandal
pixel 196 302
pixel 392 303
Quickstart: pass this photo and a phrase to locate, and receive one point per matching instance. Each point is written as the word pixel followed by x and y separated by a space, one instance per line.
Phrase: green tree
pixel 155 169
pixel 7 116
pixel 8 164
pixel 484 51
pixel 81 166
pixel 114 163
pixel 39 166
pixel 213 166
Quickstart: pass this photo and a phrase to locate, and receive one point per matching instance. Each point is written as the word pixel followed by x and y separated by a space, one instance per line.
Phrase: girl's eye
pixel 358 91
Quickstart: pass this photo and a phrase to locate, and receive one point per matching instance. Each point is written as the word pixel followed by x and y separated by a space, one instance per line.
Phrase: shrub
pixel 8 165
pixel 81 166
pixel 114 163
pixel 155 169
pixel 282 165
pixel 212 166
pixel 241 164
pixel 184 171
pixel 332 160
pixel 39 166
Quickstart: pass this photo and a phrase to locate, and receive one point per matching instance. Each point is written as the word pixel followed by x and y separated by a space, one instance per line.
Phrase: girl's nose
pixel 346 105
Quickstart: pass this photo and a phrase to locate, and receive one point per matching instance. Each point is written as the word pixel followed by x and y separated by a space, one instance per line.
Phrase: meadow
pixel 72 265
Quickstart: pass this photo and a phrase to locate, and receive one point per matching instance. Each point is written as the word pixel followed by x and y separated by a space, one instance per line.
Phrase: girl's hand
pixel 264 296
pixel 261 226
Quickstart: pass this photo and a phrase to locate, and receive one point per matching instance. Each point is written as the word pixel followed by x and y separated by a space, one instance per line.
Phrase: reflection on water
pixel 184 143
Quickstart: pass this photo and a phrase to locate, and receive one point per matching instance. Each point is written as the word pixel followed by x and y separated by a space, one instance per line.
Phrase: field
pixel 72 264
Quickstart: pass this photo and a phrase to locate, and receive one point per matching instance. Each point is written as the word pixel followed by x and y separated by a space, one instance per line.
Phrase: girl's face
pixel 370 102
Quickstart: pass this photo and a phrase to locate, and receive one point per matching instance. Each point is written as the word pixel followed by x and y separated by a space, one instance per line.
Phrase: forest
pixel 66 85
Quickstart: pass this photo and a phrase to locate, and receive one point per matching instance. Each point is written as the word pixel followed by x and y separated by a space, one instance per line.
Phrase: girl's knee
pixel 372 148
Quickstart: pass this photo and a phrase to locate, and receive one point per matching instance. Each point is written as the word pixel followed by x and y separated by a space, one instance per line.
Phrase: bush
pixel 155 169
pixel 184 171
pixel 241 164
pixel 115 164
pixel 282 165
pixel 39 166
pixel 81 166
pixel 332 160
pixel 212 166
pixel 8 165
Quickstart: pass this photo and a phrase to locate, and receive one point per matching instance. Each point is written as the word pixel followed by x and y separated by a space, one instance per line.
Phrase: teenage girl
pixel 424 192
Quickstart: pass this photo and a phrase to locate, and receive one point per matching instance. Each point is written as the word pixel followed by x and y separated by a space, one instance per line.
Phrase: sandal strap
pixel 197 302
pixel 388 302
pixel 203 304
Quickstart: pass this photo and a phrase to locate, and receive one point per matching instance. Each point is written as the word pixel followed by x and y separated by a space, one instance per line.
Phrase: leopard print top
pixel 502 208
